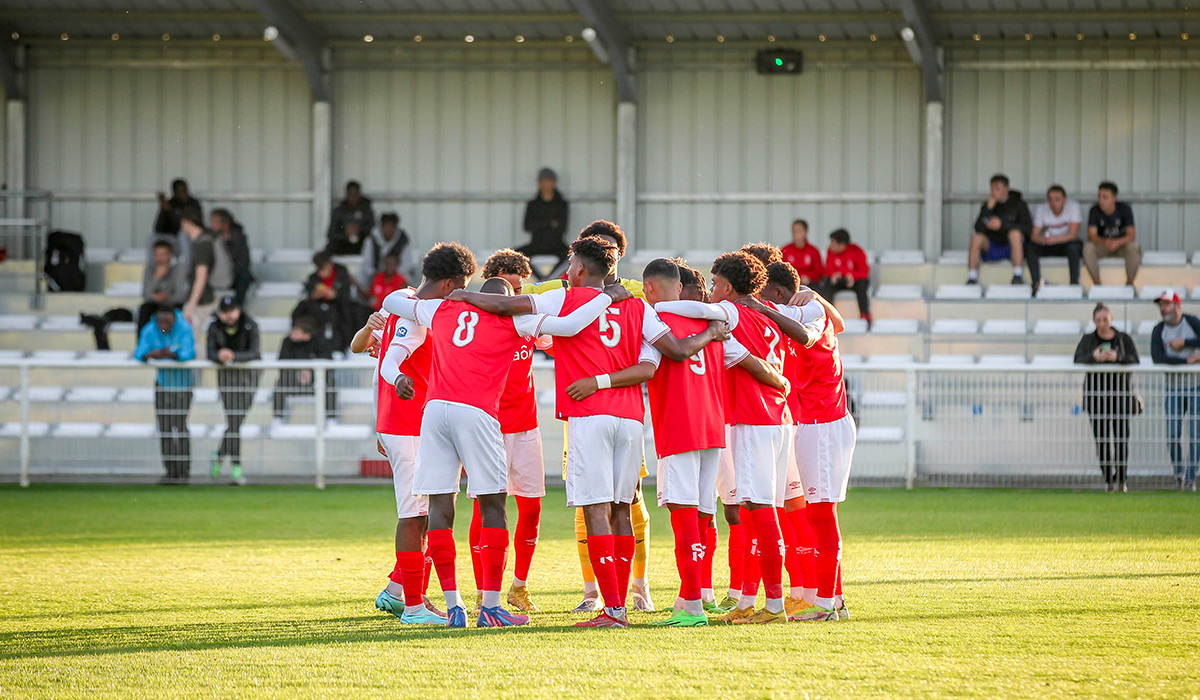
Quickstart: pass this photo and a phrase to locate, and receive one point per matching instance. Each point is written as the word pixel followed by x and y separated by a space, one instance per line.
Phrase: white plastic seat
pixel 9 355
pixel 78 430
pixel 1146 327
pixel 959 292
pixel 200 431
pixel 91 394
pixel 902 257
pixel 955 326
pixel 1000 326
pixel 1110 292
pixel 855 326
pixel 279 290
pixel 132 255
pixel 348 431
pixel 123 289
pixel 951 360
pixel 122 327
pixel 61 323
pixel 292 256
pixel 258 256
pixel 136 394
pixel 53 355
pixel 206 395
pixel 1063 361
pixel 1001 360
pixel 1150 292
pixel 900 292
pixel 1056 327
pixel 953 257
pixel 881 434
pixel 100 256
pixel 1164 258
pixel 36 429
pixel 5 392
pixel 1123 326
pixel 250 431
pixel 883 398
pixel 890 360
pixel 296 431
pixel 115 357
pixel 131 430
pixel 896 326
pixel 1008 292
pixel 18 322
pixel 356 397
pixel 41 394
pixel 1060 292
pixel 274 324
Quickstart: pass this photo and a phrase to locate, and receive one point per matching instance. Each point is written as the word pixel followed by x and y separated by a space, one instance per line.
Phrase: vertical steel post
pixel 319 411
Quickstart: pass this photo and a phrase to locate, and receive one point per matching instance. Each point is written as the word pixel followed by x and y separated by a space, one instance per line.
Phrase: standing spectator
pixel 847 269
pixel 387 281
pixel 804 256
pixel 233 338
pixel 546 221
pixel 327 300
pixel 1111 233
pixel 1000 230
pixel 389 239
pixel 211 270
pixel 170 338
pixel 163 282
pixel 1174 341
pixel 1055 233
pixel 1106 395
pixel 301 345
pixel 233 234
pixel 170 211
pixel 352 221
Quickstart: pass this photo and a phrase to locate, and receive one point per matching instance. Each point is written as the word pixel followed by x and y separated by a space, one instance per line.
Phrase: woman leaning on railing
pixel 1106 395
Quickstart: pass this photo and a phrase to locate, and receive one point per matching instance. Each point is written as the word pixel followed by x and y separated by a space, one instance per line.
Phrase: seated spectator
pixel 328 301
pixel 1000 230
pixel 1111 233
pixel 163 282
pixel 232 338
pixel 352 221
pixel 170 211
pixel 170 337
pixel 546 221
pixel 389 239
pixel 847 269
pixel 803 256
pixel 1055 234
pixel 1106 395
pixel 387 281
pixel 301 345
pixel 234 236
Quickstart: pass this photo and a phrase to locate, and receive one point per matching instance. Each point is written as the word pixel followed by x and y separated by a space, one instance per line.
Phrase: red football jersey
pixel 687 399
pixel 610 343
pixel 393 415
pixel 819 380
pixel 791 372
pixel 750 402
pixel 472 353
pixel 518 402
pixel 806 260
pixel 851 262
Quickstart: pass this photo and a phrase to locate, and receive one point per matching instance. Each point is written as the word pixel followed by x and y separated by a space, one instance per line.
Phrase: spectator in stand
pixel 847 268
pixel 1111 233
pixel 233 338
pixel 389 239
pixel 201 301
pixel 1174 341
pixel 327 300
pixel 1055 234
pixel 164 282
pixel 387 281
pixel 1000 230
pixel 803 255
pixel 169 338
pixel 546 221
pixel 1106 395
pixel 351 223
pixel 170 211
pixel 233 234
pixel 301 344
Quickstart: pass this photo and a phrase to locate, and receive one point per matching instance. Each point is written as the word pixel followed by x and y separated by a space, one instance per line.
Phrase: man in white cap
pixel 1176 341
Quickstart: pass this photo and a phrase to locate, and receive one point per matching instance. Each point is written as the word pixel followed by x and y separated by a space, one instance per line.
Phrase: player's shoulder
pixel 542 287
pixel 635 287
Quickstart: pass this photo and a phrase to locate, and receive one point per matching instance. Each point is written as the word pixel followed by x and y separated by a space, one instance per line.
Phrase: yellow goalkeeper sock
pixel 585 561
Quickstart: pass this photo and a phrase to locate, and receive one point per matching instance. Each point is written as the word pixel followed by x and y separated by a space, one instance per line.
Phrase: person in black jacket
pixel 170 210
pixel 546 220
pixel 1001 228
pixel 329 300
pixel 301 344
pixel 233 338
pixel 1176 341
pixel 234 234
pixel 1106 395
pixel 351 222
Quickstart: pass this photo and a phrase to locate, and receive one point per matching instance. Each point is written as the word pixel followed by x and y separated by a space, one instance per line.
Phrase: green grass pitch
pixel 268 591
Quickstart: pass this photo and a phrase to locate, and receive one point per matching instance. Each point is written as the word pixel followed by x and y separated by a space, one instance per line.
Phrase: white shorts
pixel 402 455
pixel 526 473
pixel 760 462
pixel 726 480
pixel 604 459
pixel 794 488
pixel 454 434
pixel 824 453
pixel 689 479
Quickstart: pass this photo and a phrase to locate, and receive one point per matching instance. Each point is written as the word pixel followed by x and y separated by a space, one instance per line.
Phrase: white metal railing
pixel 918 424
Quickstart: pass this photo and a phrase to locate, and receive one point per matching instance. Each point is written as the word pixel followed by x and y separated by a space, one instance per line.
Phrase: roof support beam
pixel 597 15
pixel 308 44
pixel 929 55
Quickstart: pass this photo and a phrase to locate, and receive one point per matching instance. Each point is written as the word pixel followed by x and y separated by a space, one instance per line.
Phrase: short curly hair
pixel 765 252
pixel 744 271
pixel 688 275
pixel 507 261
pixel 599 257
pixel 448 261
pixel 784 275
pixel 609 229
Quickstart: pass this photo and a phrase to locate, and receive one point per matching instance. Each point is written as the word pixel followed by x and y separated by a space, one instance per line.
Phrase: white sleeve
pixel 568 325
pixel 409 336
pixel 811 314
pixel 1074 215
pixel 694 309
pixel 650 354
pixel 1039 217
pixel 550 302
pixel 426 308
pixel 653 327
pixel 734 351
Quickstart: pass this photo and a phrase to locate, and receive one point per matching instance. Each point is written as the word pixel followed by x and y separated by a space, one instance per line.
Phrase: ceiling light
pixel 821 37
pixel 166 37
pixel 874 37
pixel 417 38
pixel 976 37
pixel 771 38
pixel 116 37
pixel 1079 36
pixel 1132 36
pixel 670 39
pixel 368 38
pixel 270 34
pixel 720 39
pixel 520 39
pixel 216 37
pixel 469 39
pixel 570 38
pixel 64 36
pixel 1028 36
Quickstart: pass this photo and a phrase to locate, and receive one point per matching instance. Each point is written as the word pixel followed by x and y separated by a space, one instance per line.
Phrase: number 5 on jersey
pixel 611 327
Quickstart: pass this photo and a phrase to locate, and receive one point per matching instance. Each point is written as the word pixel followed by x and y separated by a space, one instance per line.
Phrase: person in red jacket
pixel 803 255
pixel 846 268
pixel 387 281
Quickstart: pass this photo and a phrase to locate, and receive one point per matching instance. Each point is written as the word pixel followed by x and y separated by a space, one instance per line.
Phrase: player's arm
pixel 402 346
pixel 791 327
pixel 659 335
pixel 539 324
pixel 736 355
pixel 643 371
pixel 805 295
pixel 692 309
pixel 364 338
pixel 498 304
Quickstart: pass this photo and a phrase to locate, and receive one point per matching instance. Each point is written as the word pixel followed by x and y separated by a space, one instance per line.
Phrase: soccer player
pixel 760 433
pixel 460 431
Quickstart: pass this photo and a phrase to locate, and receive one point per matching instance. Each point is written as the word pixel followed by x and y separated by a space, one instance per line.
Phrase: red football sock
pixel 708 533
pixel 791 552
pixel 624 547
pixel 806 541
pixel 525 536
pixel 737 555
pixel 823 517
pixel 427 565
pixel 689 551
pixel 750 562
pixel 473 539
pixel 412 569
pixel 493 550
pixel 770 550
pixel 441 551
pixel 600 552
pixel 397 575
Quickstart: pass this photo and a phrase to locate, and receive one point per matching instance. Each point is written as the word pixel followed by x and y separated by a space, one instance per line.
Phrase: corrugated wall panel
pixel 110 127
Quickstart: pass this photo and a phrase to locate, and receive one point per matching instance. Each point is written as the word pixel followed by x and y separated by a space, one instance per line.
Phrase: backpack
pixel 66 264
pixel 220 277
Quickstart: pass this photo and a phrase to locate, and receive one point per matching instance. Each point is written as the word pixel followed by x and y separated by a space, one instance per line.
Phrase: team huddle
pixel 747 404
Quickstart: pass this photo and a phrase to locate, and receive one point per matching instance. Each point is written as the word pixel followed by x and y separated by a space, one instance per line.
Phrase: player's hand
pixel 994 223
pixel 1111 355
pixel 373 351
pixel 379 448
pixel 225 355
pixel 305 377
pixel 802 297
pixel 720 330
pixel 189 313
pixel 751 303
pixel 1098 354
pixel 1177 344
pixel 580 389
pixel 1193 359
pixel 404 388
pixel 457 295
pixel 376 322
pixel 618 292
